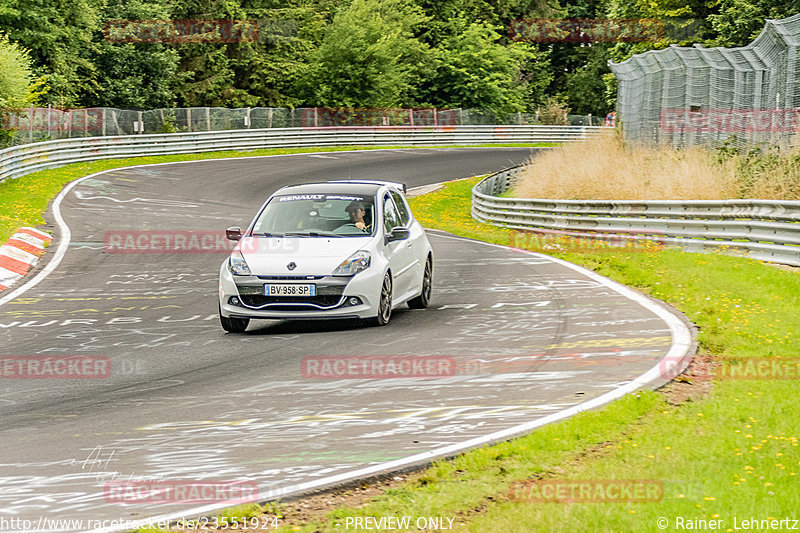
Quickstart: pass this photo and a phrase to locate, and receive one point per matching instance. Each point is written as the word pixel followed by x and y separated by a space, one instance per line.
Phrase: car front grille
pixel 258 300
pixel 327 296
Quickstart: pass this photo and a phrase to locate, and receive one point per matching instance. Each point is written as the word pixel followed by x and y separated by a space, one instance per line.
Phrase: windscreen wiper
pixel 311 234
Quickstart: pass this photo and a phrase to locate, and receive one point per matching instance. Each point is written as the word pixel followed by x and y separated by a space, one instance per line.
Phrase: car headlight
pixel 238 265
pixel 354 264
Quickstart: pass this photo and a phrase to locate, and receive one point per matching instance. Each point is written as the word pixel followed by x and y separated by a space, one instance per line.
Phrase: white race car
pixel 339 249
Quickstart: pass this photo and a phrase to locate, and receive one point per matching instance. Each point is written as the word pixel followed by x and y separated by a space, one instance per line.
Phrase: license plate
pixel 290 289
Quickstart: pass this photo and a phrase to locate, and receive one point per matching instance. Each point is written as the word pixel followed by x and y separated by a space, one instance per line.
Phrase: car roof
pixel 339 187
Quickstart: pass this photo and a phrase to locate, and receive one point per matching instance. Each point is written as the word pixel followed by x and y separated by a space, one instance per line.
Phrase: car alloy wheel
pixel 424 299
pixel 385 303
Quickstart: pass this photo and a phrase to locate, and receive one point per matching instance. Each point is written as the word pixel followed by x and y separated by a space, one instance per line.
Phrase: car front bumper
pixel 333 300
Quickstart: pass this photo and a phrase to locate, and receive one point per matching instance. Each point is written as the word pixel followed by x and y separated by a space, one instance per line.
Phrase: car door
pixel 415 240
pixel 399 253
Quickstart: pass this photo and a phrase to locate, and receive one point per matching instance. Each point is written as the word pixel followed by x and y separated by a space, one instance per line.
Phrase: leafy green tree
pixel 15 75
pixel 738 22
pixel 475 71
pixel 369 57
pixel 584 87
pixel 133 75
pixel 59 35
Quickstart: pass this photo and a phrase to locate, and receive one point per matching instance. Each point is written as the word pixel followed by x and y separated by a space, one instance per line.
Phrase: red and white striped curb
pixel 20 253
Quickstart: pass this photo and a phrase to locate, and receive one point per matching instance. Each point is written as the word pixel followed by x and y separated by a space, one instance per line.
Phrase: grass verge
pixel 728 456
pixel 24 200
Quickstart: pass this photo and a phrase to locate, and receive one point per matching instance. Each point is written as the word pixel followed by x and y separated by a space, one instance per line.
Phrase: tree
pixel 59 35
pixel 584 87
pixel 133 75
pixel 369 57
pixel 474 70
pixel 15 76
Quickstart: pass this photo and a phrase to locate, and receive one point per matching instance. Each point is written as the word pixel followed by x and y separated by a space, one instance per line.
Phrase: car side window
pixel 402 208
pixel 390 217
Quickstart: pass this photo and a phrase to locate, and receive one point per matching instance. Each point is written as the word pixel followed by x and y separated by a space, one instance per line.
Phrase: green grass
pixel 733 453
pixel 23 200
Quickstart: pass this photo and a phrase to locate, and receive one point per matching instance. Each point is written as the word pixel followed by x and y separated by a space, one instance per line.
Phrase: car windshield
pixel 317 215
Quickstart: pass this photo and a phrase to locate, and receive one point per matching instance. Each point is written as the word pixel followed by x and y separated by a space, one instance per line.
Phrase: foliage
pixel 553 111
pixel 369 56
pixel 15 74
pixel 474 70
pixel 60 37
pixel 354 53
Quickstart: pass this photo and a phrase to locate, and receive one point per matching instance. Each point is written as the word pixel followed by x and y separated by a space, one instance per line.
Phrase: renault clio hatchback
pixel 339 249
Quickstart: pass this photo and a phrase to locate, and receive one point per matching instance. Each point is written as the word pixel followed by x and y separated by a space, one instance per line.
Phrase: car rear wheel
pixel 424 299
pixel 385 304
pixel 233 325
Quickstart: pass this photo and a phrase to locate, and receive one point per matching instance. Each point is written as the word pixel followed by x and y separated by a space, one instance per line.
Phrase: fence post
pixel 411 116
pixel 589 118
pixel 141 123
pixel 269 118
pixel 208 119
pixel 103 126
pixel 316 117
pixel 49 107
pixel 435 116
pixel 188 119
pixel 86 122
pixel 248 118
pixel 30 123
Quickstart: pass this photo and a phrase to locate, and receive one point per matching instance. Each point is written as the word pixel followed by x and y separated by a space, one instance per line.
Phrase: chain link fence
pixel 42 124
pixel 685 96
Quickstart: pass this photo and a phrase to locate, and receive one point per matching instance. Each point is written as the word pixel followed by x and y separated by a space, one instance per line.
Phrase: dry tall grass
pixel 603 168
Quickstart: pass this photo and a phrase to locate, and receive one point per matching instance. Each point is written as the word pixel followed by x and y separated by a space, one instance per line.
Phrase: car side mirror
pixel 397 234
pixel 234 233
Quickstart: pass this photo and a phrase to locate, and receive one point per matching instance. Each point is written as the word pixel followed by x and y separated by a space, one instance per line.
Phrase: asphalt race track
pixel 528 336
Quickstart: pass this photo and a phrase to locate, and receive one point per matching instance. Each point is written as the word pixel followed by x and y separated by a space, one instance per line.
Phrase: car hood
pixel 314 256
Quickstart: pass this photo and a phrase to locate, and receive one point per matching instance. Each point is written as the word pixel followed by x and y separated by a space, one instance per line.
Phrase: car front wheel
pixel 233 325
pixel 385 304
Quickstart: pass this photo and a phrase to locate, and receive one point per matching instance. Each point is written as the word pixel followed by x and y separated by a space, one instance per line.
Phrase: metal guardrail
pixel 768 230
pixel 21 160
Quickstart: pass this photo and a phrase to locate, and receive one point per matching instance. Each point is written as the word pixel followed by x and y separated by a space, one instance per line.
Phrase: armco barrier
pixel 768 230
pixel 21 160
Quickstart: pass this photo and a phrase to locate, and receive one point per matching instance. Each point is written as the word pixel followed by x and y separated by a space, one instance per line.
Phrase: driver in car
pixel 356 211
